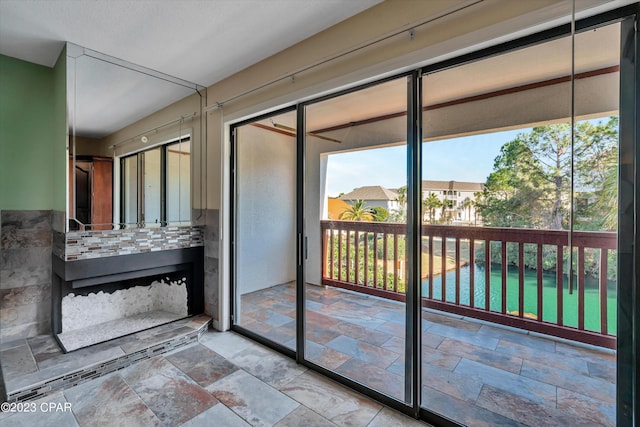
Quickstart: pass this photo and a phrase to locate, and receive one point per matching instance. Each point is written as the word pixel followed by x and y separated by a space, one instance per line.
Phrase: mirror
pixel 134 137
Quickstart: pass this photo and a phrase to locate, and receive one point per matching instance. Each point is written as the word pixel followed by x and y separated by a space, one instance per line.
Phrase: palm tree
pixel 430 204
pixel 402 196
pixel 447 205
pixel 466 204
pixel 400 214
pixel 358 212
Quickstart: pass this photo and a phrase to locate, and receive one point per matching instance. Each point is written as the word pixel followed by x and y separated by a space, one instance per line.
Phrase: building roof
pixel 335 207
pixel 370 192
pixel 452 185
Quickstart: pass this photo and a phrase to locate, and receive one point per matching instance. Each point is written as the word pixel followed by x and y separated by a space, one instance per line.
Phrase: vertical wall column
pixel 211 257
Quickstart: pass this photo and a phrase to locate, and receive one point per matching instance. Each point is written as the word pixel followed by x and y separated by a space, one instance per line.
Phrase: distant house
pixel 373 196
pixel 335 207
pixel 457 192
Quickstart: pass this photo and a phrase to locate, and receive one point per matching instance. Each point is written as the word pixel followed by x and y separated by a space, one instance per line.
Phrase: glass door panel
pixel 130 190
pixel 355 226
pixel 179 181
pixel 518 235
pixel 265 229
pixel 152 181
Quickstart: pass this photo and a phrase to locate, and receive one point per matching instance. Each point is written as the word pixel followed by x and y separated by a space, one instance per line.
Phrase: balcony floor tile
pixel 363 351
pixel 472 372
pixel 580 406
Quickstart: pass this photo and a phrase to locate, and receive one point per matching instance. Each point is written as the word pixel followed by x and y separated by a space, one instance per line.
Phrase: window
pixel 155 185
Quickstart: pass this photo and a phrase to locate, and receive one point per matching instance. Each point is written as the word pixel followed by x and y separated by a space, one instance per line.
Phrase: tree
pixel 400 215
pixel 599 182
pixel 466 204
pixel 429 205
pixel 358 212
pixel 446 205
pixel 402 197
pixel 607 202
pixel 380 214
pixel 530 185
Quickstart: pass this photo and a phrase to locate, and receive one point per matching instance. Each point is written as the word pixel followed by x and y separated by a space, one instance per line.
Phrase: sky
pixel 461 159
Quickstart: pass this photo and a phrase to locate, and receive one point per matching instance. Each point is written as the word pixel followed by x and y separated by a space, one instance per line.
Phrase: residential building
pixel 336 207
pixel 462 197
pixel 374 196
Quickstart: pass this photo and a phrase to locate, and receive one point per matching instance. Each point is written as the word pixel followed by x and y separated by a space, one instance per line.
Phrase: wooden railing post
pixel 325 258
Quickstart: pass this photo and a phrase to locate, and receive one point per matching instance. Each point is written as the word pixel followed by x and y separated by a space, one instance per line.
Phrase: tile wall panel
pixel 103 243
pixel 211 261
pixel 25 273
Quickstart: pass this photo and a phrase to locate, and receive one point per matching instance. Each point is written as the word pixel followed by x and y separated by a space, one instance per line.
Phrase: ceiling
pixel 202 41
pixel 199 41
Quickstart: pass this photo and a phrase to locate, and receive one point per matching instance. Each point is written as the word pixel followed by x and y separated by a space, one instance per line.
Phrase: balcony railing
pixel 369 257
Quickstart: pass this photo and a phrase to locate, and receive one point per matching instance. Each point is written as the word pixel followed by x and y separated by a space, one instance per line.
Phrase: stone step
pixel 34 367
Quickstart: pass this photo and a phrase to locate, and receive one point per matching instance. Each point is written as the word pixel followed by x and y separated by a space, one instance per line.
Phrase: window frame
pixel 140 184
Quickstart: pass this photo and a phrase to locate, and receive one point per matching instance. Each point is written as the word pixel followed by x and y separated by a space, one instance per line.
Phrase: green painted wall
pixel 30 139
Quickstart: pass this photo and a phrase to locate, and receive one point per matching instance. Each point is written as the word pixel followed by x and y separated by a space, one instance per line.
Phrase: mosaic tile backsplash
pixel 78 245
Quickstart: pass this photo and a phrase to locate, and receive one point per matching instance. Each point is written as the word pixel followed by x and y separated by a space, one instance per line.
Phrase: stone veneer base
pixel 74 368
pixel 94 334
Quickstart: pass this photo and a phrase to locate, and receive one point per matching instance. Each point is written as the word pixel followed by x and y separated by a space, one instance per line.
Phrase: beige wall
pixel 90 147
pixel 266 216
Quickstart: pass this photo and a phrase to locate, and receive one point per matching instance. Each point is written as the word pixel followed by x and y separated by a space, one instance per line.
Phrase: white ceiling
pixel 202 41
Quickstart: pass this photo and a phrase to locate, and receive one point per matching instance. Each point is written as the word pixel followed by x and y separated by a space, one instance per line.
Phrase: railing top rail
pixel 588 239
pixel 372 227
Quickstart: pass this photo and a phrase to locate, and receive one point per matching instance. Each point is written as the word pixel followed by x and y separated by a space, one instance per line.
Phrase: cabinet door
pixel 102 214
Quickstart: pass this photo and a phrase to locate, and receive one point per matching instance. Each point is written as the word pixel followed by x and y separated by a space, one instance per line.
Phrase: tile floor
pixel 224 380
pixel 34 366
pixel 475 373
pixel 472 372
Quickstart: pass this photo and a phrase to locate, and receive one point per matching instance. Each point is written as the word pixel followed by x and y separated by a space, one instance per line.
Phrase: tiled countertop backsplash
pixel 78 245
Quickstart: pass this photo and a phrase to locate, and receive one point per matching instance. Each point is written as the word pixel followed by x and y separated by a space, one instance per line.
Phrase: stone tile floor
pixel 223 380
pixel 472 372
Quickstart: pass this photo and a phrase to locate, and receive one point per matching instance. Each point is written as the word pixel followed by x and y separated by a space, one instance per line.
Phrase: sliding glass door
pixel 520 208
pixel 355 205
pixel 455 242
pixel 265 228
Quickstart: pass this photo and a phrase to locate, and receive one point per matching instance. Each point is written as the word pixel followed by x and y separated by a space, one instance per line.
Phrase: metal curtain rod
pixel 290 75
pixel 179 119
pixel 83 51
